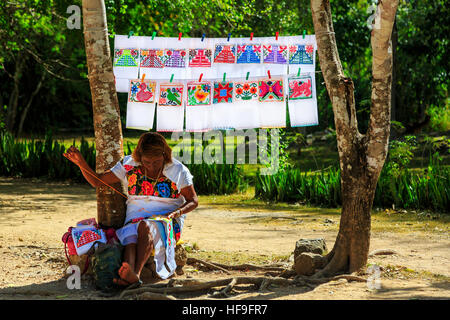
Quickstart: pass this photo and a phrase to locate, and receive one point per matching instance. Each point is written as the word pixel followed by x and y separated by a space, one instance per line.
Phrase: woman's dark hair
pixel 152 144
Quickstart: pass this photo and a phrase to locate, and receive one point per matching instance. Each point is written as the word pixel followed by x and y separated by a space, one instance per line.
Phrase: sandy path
pixel 34 215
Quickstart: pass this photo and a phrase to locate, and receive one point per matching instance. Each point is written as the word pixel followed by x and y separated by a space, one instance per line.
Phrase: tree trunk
pixel 14 97
pixel 107 126
pixel 23 116
pixel 361 156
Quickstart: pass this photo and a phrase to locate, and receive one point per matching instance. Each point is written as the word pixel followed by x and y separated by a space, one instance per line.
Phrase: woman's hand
pixel 74 155
pixel 174 214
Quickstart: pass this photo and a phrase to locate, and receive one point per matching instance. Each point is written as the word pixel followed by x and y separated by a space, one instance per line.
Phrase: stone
pixel 307 262
pixel 180 259
pixel 80 261
pixel 310 245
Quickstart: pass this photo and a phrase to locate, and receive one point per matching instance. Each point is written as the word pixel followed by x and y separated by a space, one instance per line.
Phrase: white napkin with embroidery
pixel 170 110
pixel 141 104
pixel 301 91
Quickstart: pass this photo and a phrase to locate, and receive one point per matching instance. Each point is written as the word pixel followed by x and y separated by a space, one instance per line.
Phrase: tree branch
pixel 380 111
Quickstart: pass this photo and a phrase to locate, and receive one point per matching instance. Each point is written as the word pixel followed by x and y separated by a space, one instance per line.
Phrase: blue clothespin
pixel 229 35
pixel 203 37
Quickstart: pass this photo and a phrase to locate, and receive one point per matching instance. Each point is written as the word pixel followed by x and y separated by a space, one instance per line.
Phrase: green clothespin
pixel 298 73
pixel 130 33
pixel 224 76
pixel 171 78
pixel 248 73
pixel 304 33
pixel 153 35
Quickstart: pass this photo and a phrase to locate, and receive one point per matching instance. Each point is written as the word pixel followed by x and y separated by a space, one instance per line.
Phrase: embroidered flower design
pixel 128 167
pixel 147 188
pixel 133 190
pixel 132 180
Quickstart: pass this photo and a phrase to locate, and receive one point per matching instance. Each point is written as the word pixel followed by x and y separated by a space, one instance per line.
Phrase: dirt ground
pixel 35 214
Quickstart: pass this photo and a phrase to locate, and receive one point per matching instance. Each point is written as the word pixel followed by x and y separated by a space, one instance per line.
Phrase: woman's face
pixel 152 163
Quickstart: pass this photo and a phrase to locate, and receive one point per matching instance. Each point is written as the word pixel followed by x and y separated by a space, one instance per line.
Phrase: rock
pixel 180 256
pixel 306 263
pixel 80 261
pixel 180 259
pixel 310 245
pixel 329 221
pixel 382 252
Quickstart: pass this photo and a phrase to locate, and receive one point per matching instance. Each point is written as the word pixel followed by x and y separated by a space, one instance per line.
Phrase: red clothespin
pixel 200 78
pixel 276 35
pixel 143 77
pixel 179 36
pixel 251 36
pixel 268 73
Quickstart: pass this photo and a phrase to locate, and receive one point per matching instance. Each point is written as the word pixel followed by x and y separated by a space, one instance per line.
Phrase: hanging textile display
pixel 244 113
pixel 170 110
pixel 272 107
pixel 222 101
pixel 125 61
pixel 141 104
pixel 198 106
pixel 302 100
pixel 261 78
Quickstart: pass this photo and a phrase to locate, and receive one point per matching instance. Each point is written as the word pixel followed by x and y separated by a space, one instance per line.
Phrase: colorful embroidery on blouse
pixel 139 185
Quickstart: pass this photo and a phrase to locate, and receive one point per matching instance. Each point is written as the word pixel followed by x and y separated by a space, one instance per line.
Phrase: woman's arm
pixel 74 155
pixel 191 202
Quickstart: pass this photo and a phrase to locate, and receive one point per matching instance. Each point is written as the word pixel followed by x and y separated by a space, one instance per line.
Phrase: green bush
pixel 405 188
pixel 38 158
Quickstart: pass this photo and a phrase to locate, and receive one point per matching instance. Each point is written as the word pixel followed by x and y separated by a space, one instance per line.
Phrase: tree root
pixel 382 252
pixel 241 267
pixel 207 264
pixel 161 291
pixel 155 296
pixel 194 285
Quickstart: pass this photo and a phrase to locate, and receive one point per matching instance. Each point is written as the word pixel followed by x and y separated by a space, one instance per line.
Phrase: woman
pixel 160 193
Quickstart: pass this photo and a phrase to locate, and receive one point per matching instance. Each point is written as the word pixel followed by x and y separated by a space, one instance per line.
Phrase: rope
pixel 104 182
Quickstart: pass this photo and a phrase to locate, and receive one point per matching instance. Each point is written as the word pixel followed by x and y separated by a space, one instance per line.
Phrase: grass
pixel 401 272
pixel 388 220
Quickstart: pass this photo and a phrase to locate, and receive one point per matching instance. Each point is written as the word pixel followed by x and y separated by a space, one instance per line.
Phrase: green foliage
pixel 400 154
pixel 291 185
pixel 402 187
pixel 45 159
pixel 412 190
pixel 218 178
pixel 38 158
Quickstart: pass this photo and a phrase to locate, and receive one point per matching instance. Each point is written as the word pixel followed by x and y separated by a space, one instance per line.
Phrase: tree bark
pixel 361 156
pixel 23 116
pixel 107 126
pixel 14 97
